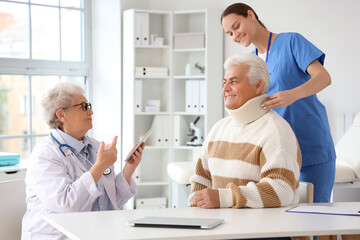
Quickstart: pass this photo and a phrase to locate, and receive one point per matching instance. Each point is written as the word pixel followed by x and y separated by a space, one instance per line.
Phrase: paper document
pixel 324 210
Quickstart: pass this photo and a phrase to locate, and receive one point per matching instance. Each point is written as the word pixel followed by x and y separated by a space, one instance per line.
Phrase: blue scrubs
pixel 289 56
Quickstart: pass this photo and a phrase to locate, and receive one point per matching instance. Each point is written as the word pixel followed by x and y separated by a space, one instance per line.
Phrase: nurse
pixel 69 171
pixel 296 75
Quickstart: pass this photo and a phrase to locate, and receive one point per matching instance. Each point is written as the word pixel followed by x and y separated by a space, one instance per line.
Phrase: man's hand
pixel 207 198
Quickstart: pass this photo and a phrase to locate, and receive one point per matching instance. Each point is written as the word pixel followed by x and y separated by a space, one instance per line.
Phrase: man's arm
pixel 200 181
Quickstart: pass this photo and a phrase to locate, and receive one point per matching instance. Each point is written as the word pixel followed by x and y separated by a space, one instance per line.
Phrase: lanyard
pixel 268 48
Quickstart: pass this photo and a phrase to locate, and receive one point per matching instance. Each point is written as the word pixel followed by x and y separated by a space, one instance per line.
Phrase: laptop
pixel 175 222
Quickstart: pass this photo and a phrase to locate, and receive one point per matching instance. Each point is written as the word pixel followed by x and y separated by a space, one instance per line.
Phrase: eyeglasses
pixel 84 106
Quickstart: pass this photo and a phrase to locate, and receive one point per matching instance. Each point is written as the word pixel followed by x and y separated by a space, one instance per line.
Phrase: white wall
pixel 106 70
pixel 332 25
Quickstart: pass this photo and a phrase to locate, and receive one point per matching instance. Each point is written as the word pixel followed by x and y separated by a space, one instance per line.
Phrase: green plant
pixel 200 68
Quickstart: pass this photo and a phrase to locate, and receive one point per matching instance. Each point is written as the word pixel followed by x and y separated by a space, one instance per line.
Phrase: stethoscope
pixel 107 171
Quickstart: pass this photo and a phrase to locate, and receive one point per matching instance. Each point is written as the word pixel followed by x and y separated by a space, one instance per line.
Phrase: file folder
pixel 318 209
pixel 138 96
pixel 202 96
pixel 138 22
pixel 161 131
pixel 180 131
pixel 192 96
pixel 145 28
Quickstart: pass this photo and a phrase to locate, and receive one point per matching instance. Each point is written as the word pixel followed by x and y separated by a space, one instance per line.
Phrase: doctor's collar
pixel 73 142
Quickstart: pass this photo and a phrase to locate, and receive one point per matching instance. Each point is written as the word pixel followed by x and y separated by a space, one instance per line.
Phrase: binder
pixel 145 25
pixel 180 131
pixel 137 174
pixel 142 203
pixel 138 22
pixel 195 96
pixel 155 138
pixel 188 96
pixel 161 133
pixel 138 96
pixel 165 134
pixel 151 71
pixel 202 96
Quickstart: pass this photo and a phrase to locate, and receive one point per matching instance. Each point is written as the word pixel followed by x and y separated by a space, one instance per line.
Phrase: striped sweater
pixel 252 157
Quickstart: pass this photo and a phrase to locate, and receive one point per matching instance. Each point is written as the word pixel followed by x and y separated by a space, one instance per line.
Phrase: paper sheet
pixel 324 210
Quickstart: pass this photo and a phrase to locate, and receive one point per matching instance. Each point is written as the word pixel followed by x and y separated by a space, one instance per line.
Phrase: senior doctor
pixel 69 171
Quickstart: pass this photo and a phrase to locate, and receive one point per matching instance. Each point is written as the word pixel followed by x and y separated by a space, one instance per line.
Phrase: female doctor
pixel 296 75
pixel 69 171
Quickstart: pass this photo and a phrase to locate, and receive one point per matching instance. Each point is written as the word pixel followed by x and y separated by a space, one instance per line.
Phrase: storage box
pixel 9 158
pixel 189 40
pixel 151 203
pixel 151 71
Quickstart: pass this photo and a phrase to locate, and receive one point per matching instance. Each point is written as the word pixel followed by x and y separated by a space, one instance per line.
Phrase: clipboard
pixel 139 144
pixel 316 209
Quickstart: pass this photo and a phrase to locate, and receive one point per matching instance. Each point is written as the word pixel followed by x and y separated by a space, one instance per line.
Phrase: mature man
pixel 250 158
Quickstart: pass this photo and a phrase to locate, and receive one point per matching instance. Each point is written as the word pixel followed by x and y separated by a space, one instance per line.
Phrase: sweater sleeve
pixel 202 177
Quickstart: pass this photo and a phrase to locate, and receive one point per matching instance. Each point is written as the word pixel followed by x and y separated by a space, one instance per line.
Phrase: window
pixel 42 42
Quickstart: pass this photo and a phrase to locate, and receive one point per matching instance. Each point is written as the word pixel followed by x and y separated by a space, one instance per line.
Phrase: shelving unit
pixel 166 145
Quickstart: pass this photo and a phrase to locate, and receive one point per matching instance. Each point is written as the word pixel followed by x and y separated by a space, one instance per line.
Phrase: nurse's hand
pixel 104 159
pixel 280 99
pixel 133 162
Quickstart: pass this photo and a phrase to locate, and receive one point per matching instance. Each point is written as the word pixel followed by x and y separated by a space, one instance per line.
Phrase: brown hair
pixel 240 9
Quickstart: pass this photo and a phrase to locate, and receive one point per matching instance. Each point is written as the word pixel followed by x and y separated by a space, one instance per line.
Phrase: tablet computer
pixel 139 144
pixel 175 222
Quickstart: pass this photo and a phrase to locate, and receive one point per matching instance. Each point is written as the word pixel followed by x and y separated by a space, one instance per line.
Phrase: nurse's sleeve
pixel 56 189
pixel 304 52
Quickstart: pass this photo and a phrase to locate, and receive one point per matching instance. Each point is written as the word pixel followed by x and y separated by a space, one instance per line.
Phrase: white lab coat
pixel 58 184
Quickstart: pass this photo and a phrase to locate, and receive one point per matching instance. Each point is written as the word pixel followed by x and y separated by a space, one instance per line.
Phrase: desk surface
pixel 239 223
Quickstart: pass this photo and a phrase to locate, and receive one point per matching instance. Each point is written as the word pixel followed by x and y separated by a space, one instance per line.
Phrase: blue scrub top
pixel 289 56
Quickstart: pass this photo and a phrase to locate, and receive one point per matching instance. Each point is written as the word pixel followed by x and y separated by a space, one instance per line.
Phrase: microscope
pixel 195 132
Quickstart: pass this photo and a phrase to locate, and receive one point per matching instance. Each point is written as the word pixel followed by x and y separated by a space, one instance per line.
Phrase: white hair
pixel 60 96
pixel 258 68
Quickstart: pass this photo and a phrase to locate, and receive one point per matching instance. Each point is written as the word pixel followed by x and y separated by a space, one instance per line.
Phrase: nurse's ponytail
pixel 240 9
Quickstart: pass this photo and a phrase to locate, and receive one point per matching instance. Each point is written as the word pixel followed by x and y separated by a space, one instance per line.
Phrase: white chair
pixel 306 192
pixel 12 208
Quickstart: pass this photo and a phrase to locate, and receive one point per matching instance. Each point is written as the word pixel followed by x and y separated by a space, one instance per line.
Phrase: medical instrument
pixel 106 172
pixel 139 144
pixel 195 133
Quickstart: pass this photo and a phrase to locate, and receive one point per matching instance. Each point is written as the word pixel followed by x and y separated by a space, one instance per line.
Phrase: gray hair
pixel 59 97
pixel 258 68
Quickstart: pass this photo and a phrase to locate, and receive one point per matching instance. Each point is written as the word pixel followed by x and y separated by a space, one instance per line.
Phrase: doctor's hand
pixel 133 162
pixel 206 198
pixel 280 99
pixel 104 159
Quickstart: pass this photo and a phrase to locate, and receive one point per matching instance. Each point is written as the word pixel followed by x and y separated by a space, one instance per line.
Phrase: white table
pixel 239 223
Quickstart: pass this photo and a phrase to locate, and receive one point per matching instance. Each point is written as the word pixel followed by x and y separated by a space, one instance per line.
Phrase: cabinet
pixel 160 81
pixel 13 172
